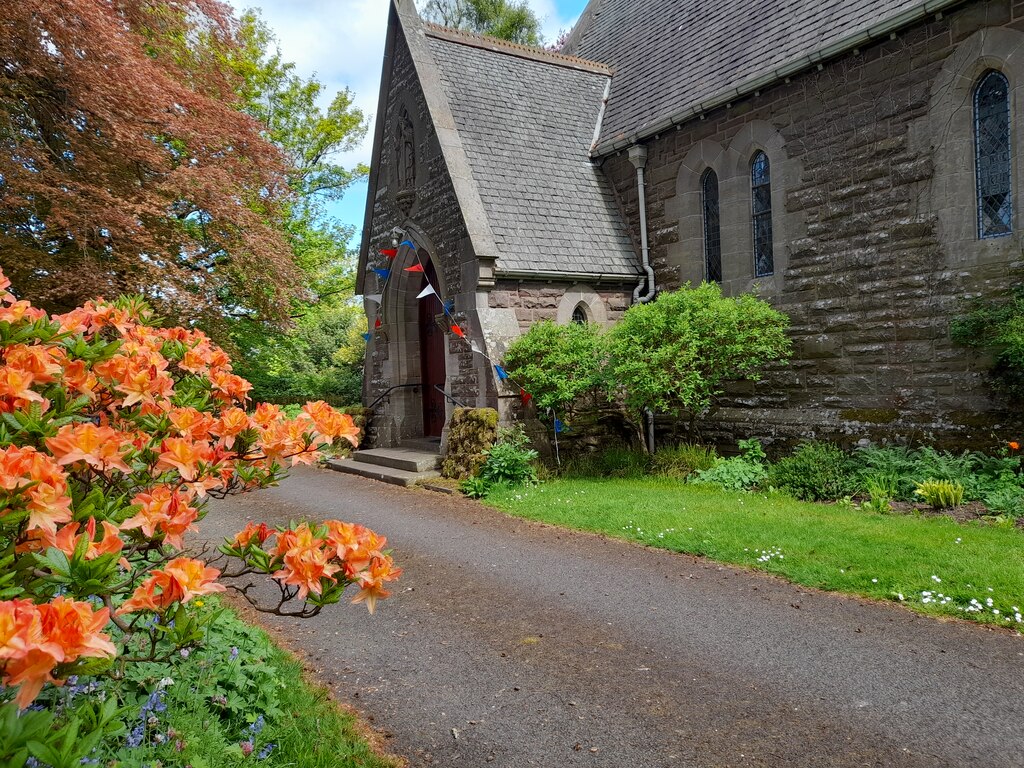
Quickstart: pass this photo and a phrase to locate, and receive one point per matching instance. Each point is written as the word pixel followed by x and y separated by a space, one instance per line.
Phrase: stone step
pixel 408 459
pixel 377 472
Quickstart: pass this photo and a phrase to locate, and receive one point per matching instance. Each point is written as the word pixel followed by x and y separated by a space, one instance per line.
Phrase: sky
pixel 342 43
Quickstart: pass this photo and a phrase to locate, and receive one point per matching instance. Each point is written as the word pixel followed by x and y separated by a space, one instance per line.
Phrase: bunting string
pixel 448 307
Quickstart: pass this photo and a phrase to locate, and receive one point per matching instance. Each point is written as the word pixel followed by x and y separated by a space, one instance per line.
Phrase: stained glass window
pixel 761 189
pixel 712 227
pixel 579 315
pixel 992 155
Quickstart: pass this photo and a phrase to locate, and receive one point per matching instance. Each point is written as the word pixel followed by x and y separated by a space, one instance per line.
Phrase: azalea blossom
pixel 371 581
pixel 163 510
pixel 102 448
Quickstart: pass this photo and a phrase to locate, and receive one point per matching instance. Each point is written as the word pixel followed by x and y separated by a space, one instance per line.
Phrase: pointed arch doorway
pixel 432 365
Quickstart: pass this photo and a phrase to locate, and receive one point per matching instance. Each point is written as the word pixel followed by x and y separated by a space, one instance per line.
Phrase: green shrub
pixel 738 473
pixel 510 465
pixel 615 461
pixel 560 365
pixel 941 494
pixel 475 487
pixel 815 472
pixel 683 460
pixel 675 354
pixel 1006 502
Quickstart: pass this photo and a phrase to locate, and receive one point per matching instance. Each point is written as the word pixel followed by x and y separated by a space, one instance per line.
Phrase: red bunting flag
pixel 458 331
pixel 525 396
pixel 377 324
pixel 414 268
pixel 389 252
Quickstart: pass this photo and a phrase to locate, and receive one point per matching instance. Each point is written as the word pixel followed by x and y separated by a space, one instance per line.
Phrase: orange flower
pixel 232 423
pixel 179 581
pixel 35 639
pixel 331 423
pixel 228 386
pixel 68 538
pixel 1014 445
pixel 183 455
pixel 165 510
pixel 260 532
pixel 5 295
pixel 306 568
pixel 266 414
pixel 371 581
pixel 79 378
pixel 43 364
pixel 76 628
pixel 16 384
pixel 47 501
pixel 20 310
pixel 191 423
pixel 100 447
pixel 144 382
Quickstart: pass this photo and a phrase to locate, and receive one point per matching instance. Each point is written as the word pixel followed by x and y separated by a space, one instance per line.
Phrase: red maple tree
pixel 125 165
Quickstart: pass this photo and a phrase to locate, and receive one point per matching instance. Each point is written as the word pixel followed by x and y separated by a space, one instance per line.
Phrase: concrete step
pixel 377 472
pixel 408 459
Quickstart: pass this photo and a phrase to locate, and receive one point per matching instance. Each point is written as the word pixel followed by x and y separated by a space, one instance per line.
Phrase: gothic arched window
pixel 992 155
pixel 405 149
pixel 712 226
pixel 761 193
pixel 579 315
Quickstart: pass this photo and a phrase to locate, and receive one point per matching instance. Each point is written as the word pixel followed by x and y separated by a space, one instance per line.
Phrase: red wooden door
pixel 432 371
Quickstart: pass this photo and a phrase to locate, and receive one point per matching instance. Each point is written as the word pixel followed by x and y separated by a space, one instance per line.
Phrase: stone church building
pixel 854 162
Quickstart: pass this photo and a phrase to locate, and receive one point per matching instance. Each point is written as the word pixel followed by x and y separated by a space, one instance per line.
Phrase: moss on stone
pixel 870 415
pixel 471 431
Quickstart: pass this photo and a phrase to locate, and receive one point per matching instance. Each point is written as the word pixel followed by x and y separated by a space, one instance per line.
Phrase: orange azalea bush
pixel 114 433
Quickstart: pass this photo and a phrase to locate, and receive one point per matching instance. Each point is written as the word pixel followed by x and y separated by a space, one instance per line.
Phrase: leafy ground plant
pixel 737 473
pixel 932 564
pixel 814 472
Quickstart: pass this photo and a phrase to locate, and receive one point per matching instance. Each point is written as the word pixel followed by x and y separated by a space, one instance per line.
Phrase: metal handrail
pixel 389 390
pixel 449 398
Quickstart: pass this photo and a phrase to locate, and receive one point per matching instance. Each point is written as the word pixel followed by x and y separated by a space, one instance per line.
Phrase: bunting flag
pixel 449 306
pixel 408 244
pixel 458 331
pixel 559 427
pixel 428 291
pixel 367 336
pixel 475 347
pixel 383 273
pixel 389 252
pixel 376 298
pixel 525 396
pixel 502 373
pixel 378 324
pixel 414 268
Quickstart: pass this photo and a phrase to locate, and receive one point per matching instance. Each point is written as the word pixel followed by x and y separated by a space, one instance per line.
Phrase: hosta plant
pixel 941 494
pixel 114 433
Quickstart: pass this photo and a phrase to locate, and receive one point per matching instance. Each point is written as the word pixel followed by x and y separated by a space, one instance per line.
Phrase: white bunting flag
pixel 475 347
pixel 428 291
pixel 374 297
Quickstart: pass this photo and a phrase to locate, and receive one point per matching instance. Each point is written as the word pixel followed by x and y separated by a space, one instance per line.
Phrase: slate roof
pixel 526 122
pixel 670 56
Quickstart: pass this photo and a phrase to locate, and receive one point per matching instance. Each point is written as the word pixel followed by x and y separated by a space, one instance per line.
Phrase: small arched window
pixel 579 315
pixel 992 155
pixel 761 194
pixel 712 226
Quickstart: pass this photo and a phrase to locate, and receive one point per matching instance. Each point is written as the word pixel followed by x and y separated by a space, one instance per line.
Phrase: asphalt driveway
pixel 510 643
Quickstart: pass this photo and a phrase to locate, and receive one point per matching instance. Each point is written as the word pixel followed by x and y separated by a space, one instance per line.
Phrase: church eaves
pixel 677 59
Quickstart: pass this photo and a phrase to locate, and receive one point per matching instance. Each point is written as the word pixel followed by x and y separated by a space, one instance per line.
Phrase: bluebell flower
pixel 265 752
pixel 234 653
pixel 136 735
pixel 257 726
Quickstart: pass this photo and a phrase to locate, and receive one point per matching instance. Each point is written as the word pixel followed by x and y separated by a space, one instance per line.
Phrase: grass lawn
pixel 932 564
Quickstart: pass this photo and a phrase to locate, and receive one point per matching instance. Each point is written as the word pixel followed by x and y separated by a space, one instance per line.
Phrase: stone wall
pixel 875 245
pixel 430 215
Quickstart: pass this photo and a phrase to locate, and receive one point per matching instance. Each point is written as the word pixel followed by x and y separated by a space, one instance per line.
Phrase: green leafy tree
pixel 299 360
pixel 506 19
pixel 560 365
pixel 675 354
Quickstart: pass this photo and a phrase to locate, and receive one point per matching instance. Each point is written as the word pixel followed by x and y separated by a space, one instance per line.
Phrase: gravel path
pixel 509 643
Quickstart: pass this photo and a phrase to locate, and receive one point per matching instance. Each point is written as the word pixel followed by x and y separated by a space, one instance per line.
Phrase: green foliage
pixel 471 432
pixel 511 20
pixel 997 327
pixel 683 460
pixel 815 472
pixel 614 461
pixel 237 694
pixel 941 494
pixel 737 473
pixel 675 354
pixel 510 465
pixel 560 365
pixel 475 487
pixel 1006 502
